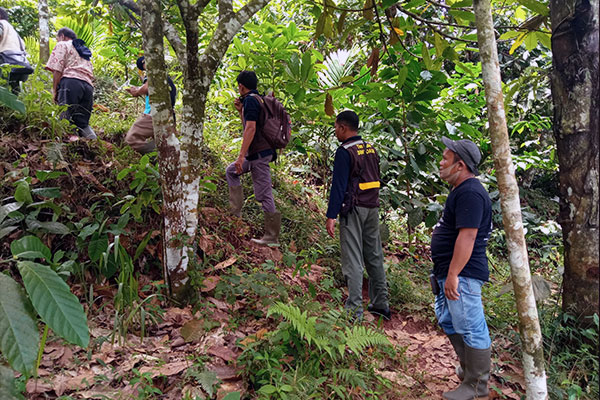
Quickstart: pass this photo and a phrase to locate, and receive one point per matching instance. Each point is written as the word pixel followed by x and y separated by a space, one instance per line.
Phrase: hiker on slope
pixel 255 155
pixel 141 134
pixel 72 82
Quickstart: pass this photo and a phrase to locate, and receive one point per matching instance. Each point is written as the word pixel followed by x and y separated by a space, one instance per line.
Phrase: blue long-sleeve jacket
pixel 341 175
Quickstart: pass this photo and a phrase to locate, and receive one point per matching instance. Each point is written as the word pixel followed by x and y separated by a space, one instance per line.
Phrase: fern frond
pixel 360 337
pixel 301 322
pixel 351 376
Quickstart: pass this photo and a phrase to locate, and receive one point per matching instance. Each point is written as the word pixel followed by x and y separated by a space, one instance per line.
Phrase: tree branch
pixel 175 41
pixel 226 30
pixel 449 7
pixel 432 26
pixel 225 8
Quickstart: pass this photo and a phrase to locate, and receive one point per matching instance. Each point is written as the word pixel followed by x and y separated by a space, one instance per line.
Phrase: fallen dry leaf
pixel 223 352
pixel 192 330
pixel 35 386
pixel 226 263
pixel 209 283
pixel 167 370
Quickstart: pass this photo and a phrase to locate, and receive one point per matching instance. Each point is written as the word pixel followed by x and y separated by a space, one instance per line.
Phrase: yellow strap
pixel 369 185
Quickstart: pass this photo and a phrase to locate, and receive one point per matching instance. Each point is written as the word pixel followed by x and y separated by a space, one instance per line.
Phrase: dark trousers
pixel 79 96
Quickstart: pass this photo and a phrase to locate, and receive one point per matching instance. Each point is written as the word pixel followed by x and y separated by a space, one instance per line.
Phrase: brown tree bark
pixel 531 336
pixel 575 97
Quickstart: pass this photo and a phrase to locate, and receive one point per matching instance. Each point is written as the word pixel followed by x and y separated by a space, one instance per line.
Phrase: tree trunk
pixel 533 352
pixel 575 97
pixel 44 16
pixel 177 247
pixel 180 157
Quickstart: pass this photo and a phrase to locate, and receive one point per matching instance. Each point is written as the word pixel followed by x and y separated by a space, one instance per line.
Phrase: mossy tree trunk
pixel 575 97
pixel 180 155
pixel 533 352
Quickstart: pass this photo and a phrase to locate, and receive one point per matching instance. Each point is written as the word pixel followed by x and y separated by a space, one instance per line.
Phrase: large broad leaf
pixel 11 101
pixel 19 338
pixel 48 226
pixel 8 208
pixel 55 303
pixel 30 247
pixel 8 390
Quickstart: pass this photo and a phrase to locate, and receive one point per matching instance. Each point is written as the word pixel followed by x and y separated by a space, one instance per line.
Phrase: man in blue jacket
pixel 355 197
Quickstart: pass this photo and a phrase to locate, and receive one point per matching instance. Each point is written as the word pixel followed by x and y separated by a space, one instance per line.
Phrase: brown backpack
pixel 273 121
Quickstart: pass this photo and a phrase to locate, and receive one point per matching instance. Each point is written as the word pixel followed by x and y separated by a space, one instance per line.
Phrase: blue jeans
pixel 465 315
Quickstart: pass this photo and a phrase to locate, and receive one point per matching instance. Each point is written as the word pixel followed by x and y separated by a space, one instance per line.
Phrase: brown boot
pixel 459 347
pixel 272 228
pixel 236 200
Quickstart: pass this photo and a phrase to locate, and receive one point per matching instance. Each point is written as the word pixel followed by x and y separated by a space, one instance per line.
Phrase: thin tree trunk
pixel 44 16
pixel 575 97
pixel 533 352
pixel 177 246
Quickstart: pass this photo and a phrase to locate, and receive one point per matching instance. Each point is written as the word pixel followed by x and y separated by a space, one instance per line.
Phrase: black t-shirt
pixel 467 206
pixel 251 107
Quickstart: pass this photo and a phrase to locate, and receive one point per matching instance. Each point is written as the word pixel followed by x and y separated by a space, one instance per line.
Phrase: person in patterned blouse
pixel 73 79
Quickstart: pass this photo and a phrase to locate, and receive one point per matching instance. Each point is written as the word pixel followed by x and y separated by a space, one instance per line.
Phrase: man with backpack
pixel 355 198
pixel 142 129
pixel 255 155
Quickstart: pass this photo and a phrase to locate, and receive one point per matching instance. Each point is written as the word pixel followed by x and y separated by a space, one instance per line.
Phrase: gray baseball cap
pixel 466 150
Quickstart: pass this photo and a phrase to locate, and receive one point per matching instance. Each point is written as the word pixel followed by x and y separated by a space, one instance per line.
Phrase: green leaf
pixel 49 226
pixel 267 389
pixel 535 6
pixel 7 230
pixel 97 246
pixel 232 396
pixel 22 193
pixel 57 306
pixel 123 173
pixel 30 247
pixel 207 380
pixel 306 65
pixel 426 56
pixel 544 39
pixel 51 192
pixel 463 15
pixel 8 390
pixel 45 175
pixel 509 35
pixel 19 338
pixel 8 208
pixel 11 101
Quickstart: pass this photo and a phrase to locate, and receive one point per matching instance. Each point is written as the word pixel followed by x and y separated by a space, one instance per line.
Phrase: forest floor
pixel 157 364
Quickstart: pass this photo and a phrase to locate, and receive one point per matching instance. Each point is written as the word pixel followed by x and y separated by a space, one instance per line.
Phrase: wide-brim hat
pixel 467 151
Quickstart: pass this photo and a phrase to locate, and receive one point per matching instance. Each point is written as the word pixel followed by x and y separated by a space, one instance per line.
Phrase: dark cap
pixel 140 63
pixel 466 150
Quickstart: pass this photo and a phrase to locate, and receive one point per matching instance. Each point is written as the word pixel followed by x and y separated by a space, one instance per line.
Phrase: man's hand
pixel 451 287
pixel 130 90
pixel 238 104
pixel 330 226
pixel 238 164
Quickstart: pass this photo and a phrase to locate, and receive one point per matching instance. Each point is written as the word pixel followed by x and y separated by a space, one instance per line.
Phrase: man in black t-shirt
pixel 255 156
pixel 458 249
